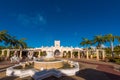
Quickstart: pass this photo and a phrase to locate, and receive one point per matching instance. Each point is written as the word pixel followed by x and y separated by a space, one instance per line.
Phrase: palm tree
pixel 86 42
pixel 11 40
pixel 4 36
pixel 110 38
pixel 118 38
pixel 99 40
pixel 21 43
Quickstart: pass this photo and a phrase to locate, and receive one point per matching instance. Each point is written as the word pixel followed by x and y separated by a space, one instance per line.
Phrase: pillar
pixel 8 53
pixel 66 54
pixel 103 55
pixel 71 55
pixel 39 54
pixel 2 52
pixel 91 55
pixel 97 54
pixel 78 54
pixel 20 54
pixel 87 54
pixel 61 54
pixel 31 53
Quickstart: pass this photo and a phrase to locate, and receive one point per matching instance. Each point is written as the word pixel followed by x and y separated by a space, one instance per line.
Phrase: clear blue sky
pixel 43 21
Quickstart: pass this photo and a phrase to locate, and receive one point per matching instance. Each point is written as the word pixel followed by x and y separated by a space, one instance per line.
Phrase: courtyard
pixel 89 70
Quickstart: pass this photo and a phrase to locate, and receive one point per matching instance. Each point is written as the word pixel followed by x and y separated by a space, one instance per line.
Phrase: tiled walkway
pixel 5 64
pixel 108 69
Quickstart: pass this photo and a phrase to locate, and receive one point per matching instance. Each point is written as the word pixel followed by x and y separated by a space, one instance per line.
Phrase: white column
pixel 62 54
pixel 103 54
pixel 31 53
pixel 39 54
pixel 78 54
pixel 8 53
pixel 91 56
pixel 20 54
pixel 2 52
pixel 97 54
pixel 66 54
pixel 71 55
pixel 87 54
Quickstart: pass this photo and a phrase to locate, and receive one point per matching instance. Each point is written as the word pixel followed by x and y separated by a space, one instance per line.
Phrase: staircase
pixel 46 73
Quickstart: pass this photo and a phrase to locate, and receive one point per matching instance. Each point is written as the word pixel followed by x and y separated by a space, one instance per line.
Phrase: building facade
pixel 59 51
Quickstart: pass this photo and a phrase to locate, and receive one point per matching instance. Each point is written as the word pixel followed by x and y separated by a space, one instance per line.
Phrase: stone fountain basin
pixel 20 72
pixel 48 64
pixel 11 71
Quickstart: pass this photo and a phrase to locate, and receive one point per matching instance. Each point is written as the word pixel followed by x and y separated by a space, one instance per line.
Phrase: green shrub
pixel 111 60
pixel 114 60
pixel 117 61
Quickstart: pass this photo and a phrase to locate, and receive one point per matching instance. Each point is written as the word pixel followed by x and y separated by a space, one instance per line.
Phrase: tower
pixel 57 43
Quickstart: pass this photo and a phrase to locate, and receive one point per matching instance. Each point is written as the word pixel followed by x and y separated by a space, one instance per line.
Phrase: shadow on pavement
pixel 92 74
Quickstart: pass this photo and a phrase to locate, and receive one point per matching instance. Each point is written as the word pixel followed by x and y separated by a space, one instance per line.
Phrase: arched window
pixel 57 53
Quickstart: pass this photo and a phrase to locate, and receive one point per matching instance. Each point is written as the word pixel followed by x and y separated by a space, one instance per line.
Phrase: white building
pixel 59 51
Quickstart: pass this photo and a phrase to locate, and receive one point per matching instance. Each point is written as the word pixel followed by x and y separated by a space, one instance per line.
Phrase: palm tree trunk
pixel 112 49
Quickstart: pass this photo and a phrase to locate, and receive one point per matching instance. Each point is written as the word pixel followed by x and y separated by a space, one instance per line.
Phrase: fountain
pixel 42 67
pixel 48 62
pixel 50 55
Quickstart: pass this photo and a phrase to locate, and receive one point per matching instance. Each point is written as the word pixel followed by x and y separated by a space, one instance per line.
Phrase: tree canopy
pixel 99 40
pixel 11 41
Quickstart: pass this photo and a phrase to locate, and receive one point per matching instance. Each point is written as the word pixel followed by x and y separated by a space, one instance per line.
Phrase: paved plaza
pixel 89 70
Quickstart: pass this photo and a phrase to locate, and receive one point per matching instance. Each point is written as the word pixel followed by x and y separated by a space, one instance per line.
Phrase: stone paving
pixel 89 70
pixel 5 64
pixel 107 68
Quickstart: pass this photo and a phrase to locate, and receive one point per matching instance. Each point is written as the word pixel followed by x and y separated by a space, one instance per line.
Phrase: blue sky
pixel 43 21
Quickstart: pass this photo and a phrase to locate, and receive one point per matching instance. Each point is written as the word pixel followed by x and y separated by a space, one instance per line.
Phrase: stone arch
pixel 12 53
pixel 75 54
pixel 35 53
pixel 24 54
pixel 82 54
pixel 57 53
pixel 69 54
pixel 5 53
pixel 64 54
pixel 43 53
